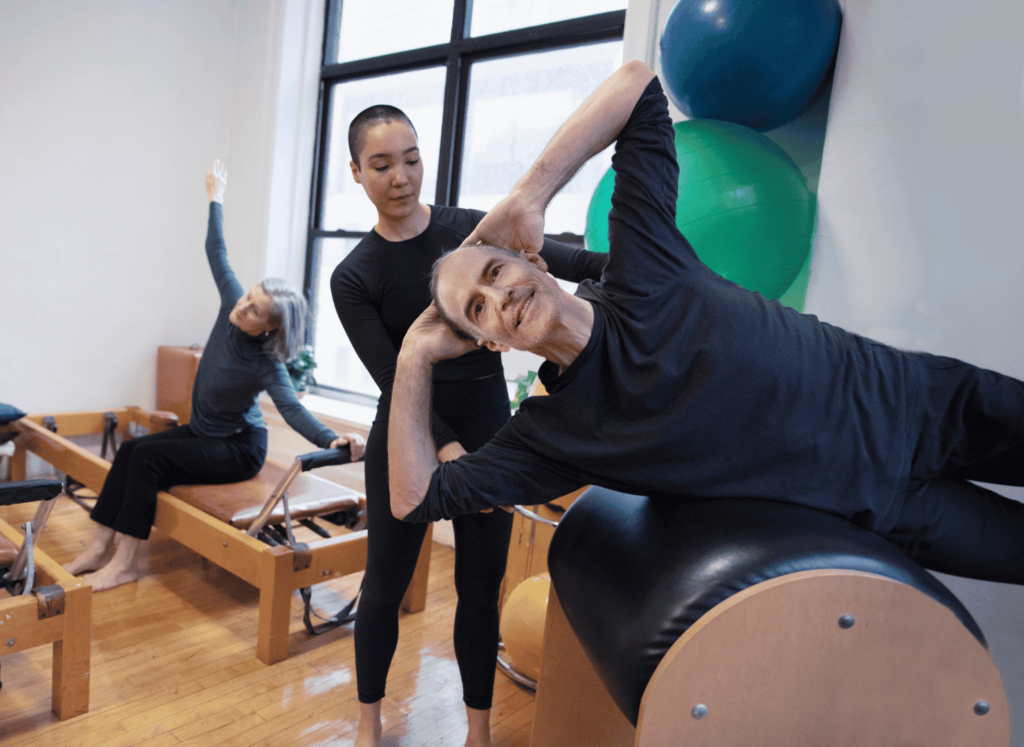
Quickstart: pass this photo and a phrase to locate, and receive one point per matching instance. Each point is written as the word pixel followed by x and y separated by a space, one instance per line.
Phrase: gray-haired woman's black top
pixel 235 367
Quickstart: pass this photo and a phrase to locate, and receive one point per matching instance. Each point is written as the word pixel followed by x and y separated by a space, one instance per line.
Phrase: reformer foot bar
pixel 221 522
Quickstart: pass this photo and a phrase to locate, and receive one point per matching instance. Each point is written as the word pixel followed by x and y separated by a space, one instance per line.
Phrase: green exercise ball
pixel 743 205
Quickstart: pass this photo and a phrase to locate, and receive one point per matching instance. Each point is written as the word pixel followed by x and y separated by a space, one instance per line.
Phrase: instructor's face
pixel 390 169
pixel 499 298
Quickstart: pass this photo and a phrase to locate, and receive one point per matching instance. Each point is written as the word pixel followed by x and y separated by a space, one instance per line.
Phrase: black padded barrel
pixel 633 573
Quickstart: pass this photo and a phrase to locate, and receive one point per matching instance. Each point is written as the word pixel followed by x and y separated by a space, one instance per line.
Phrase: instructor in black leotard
pixel 225 439
pixel 379 289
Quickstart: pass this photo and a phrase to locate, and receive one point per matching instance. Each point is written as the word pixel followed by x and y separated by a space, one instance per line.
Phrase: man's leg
pixel 957 527
pixel 972 429
pixel 973 425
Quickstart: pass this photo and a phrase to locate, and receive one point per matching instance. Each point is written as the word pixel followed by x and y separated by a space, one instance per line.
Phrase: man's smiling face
pixel 499 298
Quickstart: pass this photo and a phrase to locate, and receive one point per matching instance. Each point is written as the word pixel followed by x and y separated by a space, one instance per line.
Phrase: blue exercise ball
pixel 759 63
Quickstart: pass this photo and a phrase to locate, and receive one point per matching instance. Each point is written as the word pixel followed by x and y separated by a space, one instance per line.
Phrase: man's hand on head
pixel 431 340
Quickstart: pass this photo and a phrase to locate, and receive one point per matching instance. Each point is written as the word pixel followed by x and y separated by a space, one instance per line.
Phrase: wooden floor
pixel 174 663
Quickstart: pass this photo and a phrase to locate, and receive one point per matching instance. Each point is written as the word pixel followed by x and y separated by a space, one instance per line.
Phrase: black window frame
pixel 457 56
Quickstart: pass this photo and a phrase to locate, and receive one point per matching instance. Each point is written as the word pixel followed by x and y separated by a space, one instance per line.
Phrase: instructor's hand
pixel 515 223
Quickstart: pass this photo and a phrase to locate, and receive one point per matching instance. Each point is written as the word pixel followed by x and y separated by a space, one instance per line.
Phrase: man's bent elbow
pixel 638 68
pixel 402 506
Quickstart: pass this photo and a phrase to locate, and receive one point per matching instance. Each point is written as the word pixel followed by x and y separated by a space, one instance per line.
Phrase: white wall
pixel 110 113
pixel 920 205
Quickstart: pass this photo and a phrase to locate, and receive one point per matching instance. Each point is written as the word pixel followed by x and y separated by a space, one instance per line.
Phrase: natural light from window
pixel 370 28
pixel 493 16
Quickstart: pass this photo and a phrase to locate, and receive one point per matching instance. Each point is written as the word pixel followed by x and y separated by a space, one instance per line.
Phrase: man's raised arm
pixel 412 456
pixel 517 222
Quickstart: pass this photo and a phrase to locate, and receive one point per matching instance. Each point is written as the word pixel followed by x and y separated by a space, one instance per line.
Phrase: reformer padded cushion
pixel 9 413
pixel 633 574
pixel 29 491
pixel 239 503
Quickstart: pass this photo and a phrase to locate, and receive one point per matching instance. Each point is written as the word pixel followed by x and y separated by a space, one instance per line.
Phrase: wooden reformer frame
pixel 277 571
pixel 60 612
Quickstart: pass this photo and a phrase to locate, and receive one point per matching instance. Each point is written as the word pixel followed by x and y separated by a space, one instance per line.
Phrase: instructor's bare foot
pixel 479 721
pixel 369 732
pixel 367 738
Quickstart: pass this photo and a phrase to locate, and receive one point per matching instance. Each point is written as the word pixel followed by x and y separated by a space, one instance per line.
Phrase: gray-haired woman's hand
pixel 216 181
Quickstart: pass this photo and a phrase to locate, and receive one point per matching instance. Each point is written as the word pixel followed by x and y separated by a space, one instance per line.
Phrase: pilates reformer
pixel 41 603
pixel 236 526
pixel 727 623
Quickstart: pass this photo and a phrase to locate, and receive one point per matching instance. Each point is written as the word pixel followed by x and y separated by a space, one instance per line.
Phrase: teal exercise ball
pixel 743 205
pixel 759 63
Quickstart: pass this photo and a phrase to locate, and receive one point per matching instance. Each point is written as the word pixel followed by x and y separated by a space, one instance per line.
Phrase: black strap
pixel 345 615
pixel 109 436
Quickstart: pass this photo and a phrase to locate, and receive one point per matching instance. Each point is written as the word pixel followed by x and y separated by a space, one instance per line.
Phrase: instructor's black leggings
pixel 145 465
pixel 475 410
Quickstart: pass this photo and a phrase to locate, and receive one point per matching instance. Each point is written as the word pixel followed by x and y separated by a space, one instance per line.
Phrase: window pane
pixel 337 364
pixel 492 16
pixel 420 94
pixel 370 28
pixel 515 106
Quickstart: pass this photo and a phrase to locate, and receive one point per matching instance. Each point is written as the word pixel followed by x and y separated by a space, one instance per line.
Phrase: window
pixel 486 82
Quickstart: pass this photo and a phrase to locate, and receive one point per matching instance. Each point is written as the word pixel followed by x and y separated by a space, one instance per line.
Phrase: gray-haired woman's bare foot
pixel 95 556
pixel 123 568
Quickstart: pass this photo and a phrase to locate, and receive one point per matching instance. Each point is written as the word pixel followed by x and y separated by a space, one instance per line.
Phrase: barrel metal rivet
pixel 982 707
pixel 846 622
pixel 10 644
pixel 326 573
pixel 224 543
pixel 699 711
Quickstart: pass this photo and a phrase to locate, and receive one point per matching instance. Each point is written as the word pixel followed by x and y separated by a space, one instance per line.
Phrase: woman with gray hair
pixel 225 439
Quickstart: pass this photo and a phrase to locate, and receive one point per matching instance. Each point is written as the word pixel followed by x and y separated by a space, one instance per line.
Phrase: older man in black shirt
pixel 665 379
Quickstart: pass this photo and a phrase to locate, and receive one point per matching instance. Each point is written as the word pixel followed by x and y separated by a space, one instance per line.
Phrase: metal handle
pixel 325 458
pixel 534 517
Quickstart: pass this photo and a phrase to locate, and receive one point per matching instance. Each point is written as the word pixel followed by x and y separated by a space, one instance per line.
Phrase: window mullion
pixel 326 244
pixel 446 191
pixel 332 25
